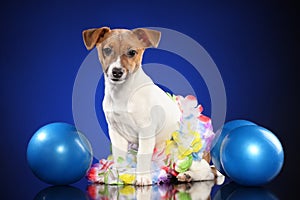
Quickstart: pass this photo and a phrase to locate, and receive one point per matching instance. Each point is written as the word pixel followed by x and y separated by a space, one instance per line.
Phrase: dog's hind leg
pixel 199 171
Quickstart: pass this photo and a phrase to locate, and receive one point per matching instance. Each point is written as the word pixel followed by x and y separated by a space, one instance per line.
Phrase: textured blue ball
pixel 229 126
pixel 251 155
pixel 58 154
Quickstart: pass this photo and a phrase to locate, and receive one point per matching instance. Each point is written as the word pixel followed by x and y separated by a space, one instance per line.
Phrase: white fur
pixel 199 171
pixel 116 64
pixel 137 111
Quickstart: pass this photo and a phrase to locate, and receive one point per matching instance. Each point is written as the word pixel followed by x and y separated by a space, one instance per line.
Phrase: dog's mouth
pixel 116 80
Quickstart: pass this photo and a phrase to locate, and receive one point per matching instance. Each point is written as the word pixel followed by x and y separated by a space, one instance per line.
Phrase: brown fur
pixel 94 35
pixel 206 156
pixel 214 171
pixel 121 41
pixel 132 64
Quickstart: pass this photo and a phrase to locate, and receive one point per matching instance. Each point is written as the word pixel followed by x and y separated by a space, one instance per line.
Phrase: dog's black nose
pixel 117 72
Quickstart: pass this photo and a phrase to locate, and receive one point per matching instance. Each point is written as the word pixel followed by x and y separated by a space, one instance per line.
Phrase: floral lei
pixel 188 143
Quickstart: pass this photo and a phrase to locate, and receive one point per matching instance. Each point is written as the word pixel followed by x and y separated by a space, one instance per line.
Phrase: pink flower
pixel 92 175
pixel 159 157
pixel 96 173
pixel 106 164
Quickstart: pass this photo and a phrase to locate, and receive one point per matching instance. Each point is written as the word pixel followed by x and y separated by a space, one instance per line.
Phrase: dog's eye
pixel 107 51
pixel 131 53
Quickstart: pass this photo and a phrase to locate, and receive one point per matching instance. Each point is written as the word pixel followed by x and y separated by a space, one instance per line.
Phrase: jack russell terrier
pixel 137 111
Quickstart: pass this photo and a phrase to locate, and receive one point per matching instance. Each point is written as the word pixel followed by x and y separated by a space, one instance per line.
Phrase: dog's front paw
pixel 144 179
pixel 184 177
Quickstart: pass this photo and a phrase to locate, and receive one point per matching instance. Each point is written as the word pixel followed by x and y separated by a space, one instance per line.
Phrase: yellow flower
pixel 170 146
pixel 173 97
pixel 176 137
pixel 110 158
pixel 127 178
pixel 197 142
pixel 184 152
pixel 184 145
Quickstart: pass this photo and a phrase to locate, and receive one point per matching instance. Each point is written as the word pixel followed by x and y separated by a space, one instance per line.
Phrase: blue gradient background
pixel 253 44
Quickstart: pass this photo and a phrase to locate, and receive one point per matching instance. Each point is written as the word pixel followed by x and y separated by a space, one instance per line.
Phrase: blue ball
pixel 251 155
pixel 58 154
pixel 229 126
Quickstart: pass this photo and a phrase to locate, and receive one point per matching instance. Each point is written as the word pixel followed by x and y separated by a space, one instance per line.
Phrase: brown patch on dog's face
pixel 132 63
pixel 121 49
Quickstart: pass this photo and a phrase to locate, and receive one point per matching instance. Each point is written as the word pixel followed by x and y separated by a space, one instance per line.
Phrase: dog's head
pixel 120 51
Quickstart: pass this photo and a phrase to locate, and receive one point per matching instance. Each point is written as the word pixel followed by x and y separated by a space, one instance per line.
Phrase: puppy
pixel 137 111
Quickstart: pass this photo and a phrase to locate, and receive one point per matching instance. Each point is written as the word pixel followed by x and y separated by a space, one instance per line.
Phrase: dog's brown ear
pixel 148 37
pixel 93 36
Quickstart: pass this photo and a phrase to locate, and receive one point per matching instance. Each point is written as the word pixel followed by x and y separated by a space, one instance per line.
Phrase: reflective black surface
pixel 187 191
pixel 60 193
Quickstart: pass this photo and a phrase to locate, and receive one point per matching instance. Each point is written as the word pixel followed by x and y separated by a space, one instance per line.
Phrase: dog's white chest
pixel 121 121
pixel 138 108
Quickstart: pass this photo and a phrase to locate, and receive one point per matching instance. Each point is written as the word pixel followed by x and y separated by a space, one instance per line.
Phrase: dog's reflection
pixel 194 191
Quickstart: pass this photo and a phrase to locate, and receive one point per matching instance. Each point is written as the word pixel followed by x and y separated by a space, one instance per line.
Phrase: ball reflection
pixel 61 193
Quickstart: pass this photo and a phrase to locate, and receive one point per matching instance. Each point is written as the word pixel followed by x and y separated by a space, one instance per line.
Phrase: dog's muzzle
pixel 117 73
